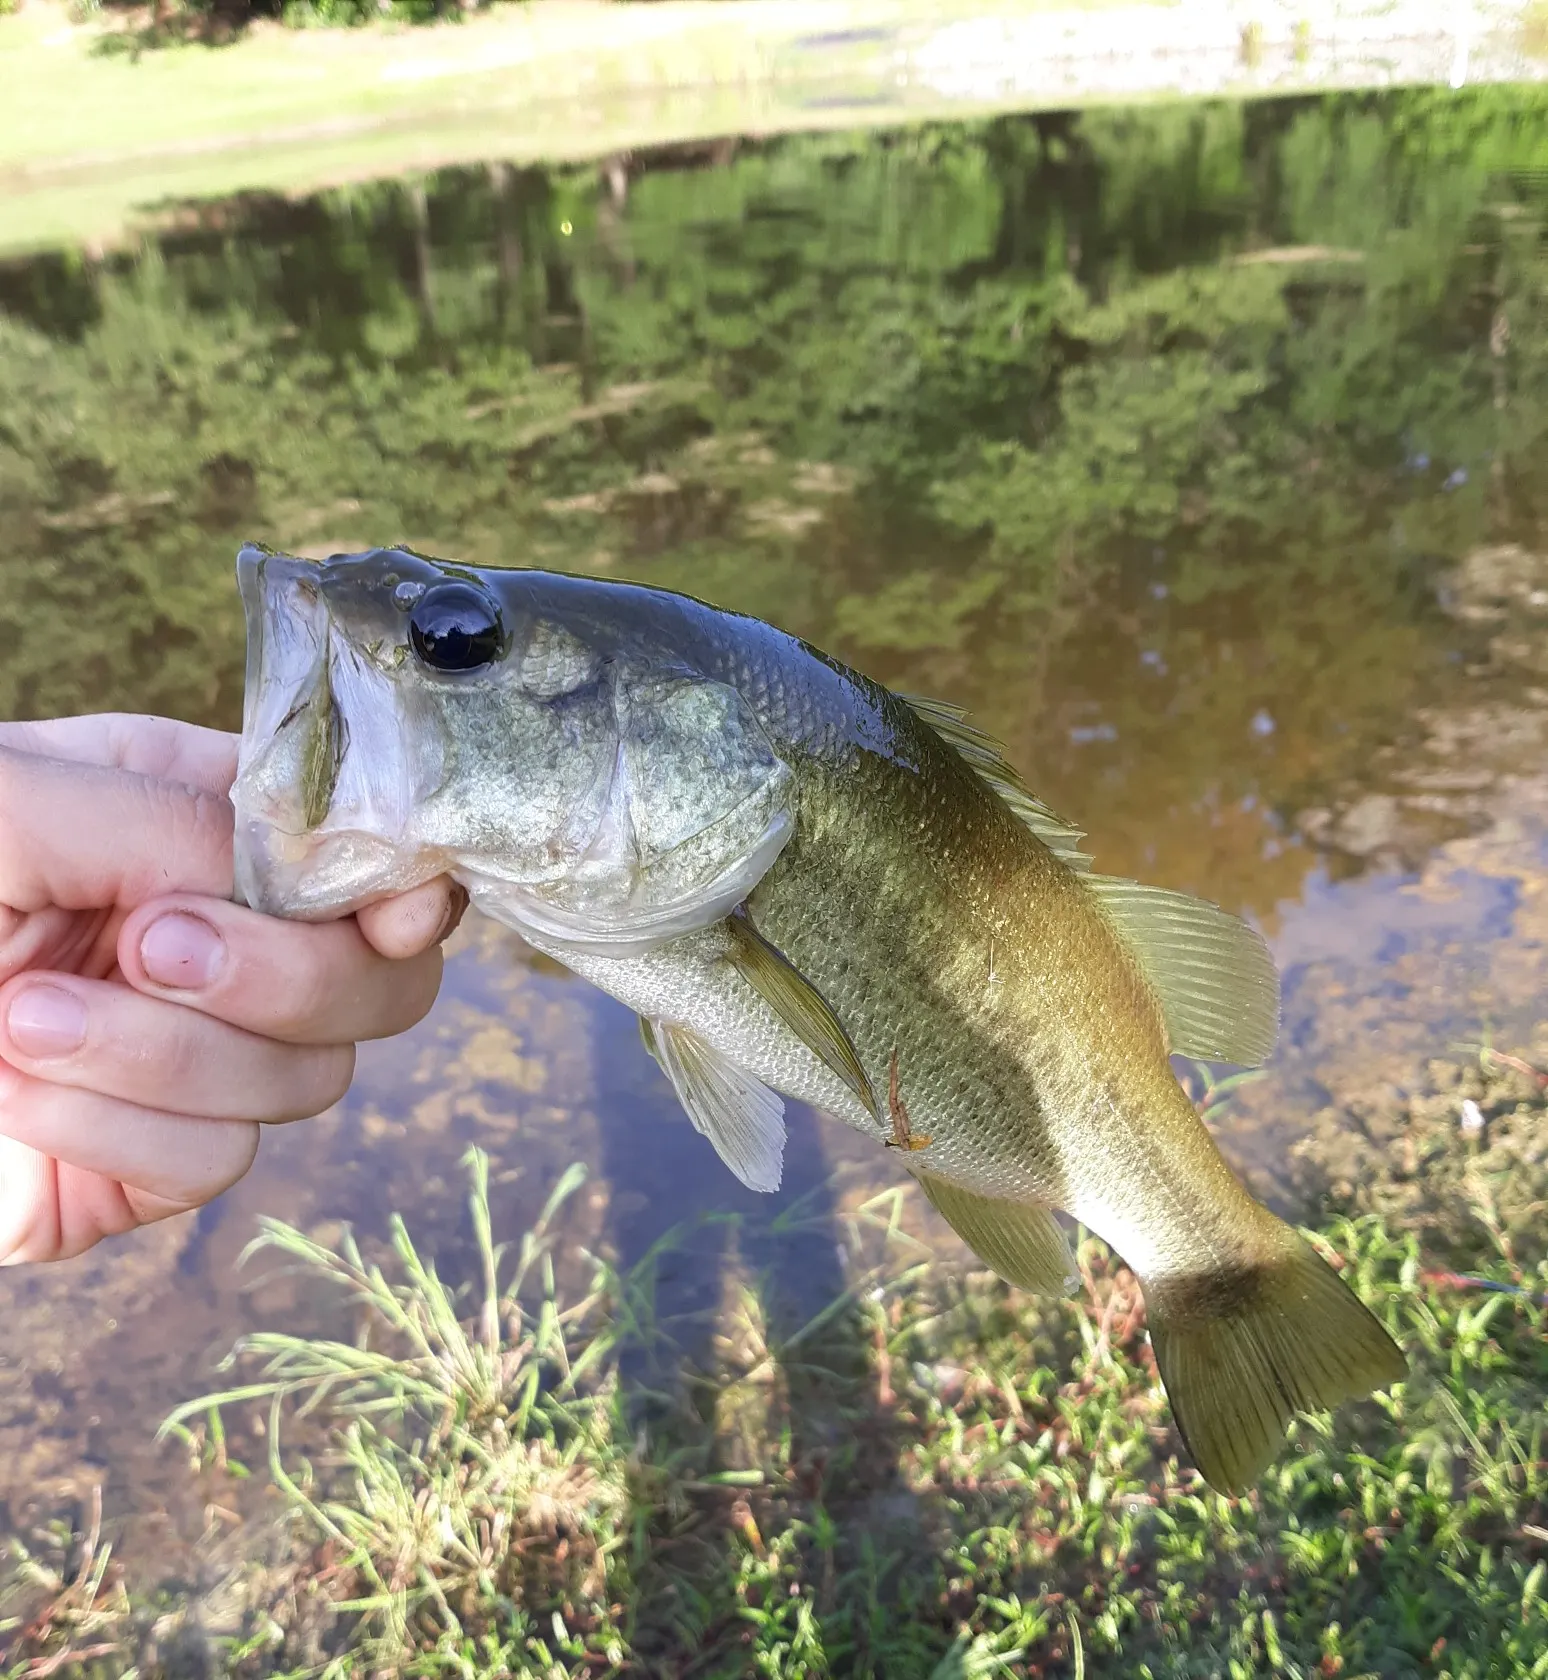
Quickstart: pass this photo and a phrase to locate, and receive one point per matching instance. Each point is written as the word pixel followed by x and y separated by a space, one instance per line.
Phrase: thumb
pixel 85 837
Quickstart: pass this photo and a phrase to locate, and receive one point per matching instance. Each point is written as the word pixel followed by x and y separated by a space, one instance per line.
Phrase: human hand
pixel 149 1026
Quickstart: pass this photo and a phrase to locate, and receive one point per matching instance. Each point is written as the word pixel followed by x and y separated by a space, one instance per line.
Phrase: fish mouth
pixel 294 737
pixel 321 794
pixel 288 709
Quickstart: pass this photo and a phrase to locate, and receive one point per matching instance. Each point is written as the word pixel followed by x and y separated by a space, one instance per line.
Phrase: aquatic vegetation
pixel 935 1476
pixel 76 1612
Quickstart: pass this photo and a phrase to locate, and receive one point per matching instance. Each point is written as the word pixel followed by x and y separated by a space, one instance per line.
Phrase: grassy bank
pixel 95 132
pixel 100 129
pixel 935 1477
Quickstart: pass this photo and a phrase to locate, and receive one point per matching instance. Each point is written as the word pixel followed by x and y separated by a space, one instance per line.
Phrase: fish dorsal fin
pixel 986 756
pixel 1021 1242
pixel 738 1114
pixel 1217 983
pixel 798 1003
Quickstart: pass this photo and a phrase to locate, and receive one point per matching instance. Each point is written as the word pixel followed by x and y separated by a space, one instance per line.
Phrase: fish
pixel 806 886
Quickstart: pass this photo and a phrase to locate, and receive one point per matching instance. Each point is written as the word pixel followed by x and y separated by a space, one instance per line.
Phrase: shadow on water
pixel 1198 451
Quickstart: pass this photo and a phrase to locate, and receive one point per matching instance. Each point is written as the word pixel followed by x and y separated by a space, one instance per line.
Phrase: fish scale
pixel 804 884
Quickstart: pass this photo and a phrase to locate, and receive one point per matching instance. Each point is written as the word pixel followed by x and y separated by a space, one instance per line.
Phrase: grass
pixel 935 1477
pixel 100 132
pixel 97 135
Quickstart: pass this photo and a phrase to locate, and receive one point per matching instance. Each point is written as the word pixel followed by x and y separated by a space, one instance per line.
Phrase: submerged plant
pixel 75 1618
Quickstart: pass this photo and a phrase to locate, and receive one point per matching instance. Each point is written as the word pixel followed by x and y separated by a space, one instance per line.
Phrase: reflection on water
pixel 1197 450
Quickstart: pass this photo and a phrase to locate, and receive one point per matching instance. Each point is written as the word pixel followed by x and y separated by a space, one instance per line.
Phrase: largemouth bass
pixel 805 884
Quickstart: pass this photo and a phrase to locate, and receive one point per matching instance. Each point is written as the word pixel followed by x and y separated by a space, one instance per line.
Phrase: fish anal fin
pixel 1217 984
pixel 798 1003
pixel 986 758
pixel 1241 1352
pixel 1020 1241
pixel 740 1115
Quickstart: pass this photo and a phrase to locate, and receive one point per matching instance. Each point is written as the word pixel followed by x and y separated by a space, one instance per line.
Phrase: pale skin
pixel 149 1028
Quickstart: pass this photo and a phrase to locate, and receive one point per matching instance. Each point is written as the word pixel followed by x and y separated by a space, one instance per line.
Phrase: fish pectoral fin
pixel 798 1003
pixel 740 1115
pixel 1241 1351
pixel 1216 981
pixel 1019 1240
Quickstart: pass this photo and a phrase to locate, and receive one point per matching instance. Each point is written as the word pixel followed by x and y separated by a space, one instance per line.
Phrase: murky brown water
pixel 1200 452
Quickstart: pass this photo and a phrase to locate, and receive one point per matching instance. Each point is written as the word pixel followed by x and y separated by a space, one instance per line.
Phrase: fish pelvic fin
pixel 740 1115
pixel 1240 1352
pixel 1020 1241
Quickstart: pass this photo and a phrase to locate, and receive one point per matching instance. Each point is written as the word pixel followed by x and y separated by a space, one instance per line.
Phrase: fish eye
pixel 456 627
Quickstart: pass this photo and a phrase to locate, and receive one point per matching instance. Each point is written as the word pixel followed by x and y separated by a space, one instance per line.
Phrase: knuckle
pixel 233 1147
pixel 334 1075
pixel 282 976
pixel 425 988
pixel 415 985
pixel 310 980
pixel 196 829
pixel 319 1078
pixel 212 1156
pixel 181 1055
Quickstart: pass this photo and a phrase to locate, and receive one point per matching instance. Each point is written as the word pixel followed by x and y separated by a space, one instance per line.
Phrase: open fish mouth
pixel 293 734
pixel 320 812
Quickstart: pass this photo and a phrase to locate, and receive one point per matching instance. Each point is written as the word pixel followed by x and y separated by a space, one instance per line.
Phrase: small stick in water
pixel 902 1137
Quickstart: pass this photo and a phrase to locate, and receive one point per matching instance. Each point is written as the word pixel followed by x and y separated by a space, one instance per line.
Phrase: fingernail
pixel 454 913
pixel 181 952
pixel 46 1021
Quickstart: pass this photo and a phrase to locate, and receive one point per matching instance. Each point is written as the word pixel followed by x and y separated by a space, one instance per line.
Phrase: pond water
pixel 1198 450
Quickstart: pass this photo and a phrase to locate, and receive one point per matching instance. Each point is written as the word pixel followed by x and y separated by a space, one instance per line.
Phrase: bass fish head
pixel 526 732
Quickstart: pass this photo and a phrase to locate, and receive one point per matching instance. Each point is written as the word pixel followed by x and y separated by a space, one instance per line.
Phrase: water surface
pixel 1198 451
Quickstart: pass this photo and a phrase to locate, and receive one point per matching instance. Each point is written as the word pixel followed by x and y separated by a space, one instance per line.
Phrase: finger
pixel 80 836
pixel 98 1036
pixel 414 921
pixel 29 1205
pixel 55 939
pixel 53 1210
pixel 161 748
pixel 302 982
pixel 171 1161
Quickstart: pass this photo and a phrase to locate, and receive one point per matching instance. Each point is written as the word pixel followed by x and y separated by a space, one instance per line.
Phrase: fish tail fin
pixel 1241 1351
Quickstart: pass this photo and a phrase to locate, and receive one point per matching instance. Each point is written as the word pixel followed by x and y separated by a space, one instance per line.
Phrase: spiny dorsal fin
pixel 987 757
pixel 1217 983
pixel 740 1115
pixel 1021 1242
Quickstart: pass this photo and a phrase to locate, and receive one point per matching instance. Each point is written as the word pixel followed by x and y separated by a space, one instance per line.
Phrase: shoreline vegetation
pixel 112 121
pixel 934 1476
